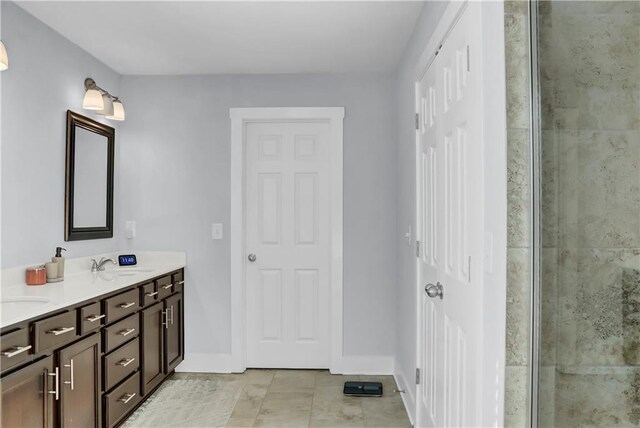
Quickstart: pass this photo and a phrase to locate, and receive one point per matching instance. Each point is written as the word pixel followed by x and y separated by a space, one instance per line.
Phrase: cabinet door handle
pixel 70 367
pixel 94 318
pixel 127 397
pixel 166 287
pixel 171 314
pixel 126 362
pixel 61 330
pixel 165 321
pixel 126 305
pixel 151 294
pixel 15 351
pixel 127 332
pixel 56 389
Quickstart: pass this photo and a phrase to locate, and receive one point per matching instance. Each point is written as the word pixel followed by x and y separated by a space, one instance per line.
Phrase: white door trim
pixel 239 119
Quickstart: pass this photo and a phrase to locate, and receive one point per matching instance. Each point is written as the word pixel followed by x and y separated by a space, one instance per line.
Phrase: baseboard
pixel 225 363
pixel 408 397
pixel 206 363
pixel 364 365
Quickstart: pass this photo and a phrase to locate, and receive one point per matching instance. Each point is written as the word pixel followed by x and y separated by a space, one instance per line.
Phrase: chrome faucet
pixel 99 266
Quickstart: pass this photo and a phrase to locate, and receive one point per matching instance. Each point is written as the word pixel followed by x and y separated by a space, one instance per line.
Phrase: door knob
pixel 434 290
pixel 252 258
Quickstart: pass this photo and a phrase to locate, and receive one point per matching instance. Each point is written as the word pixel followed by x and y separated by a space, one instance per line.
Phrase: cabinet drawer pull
pixel 151 294
pixel 70 381
pixel 56 389
pixel 126 305
pixel 179 282
pixel 126 362
pixel 61 330
pixel 15 351
pixel 127 332
pixel 166 287
pixel 127 397
pixel 94 318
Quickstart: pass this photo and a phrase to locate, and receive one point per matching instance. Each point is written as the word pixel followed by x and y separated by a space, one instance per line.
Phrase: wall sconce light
pixel 4 58
pixel 98 99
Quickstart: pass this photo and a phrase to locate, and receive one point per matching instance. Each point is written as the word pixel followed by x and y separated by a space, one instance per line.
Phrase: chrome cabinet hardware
pixel 166 287
pixel 94 318
pixel 15 351
pixel 151 294
pixel 56 389
pixel 434 290
pixel 179 282
pixel 252 258
pixel 127 397
pixel 70 367
pixel 165 321
pixel 126 305
pixel 61 330
pixel 127 332
pixel 126 362
pixel 171 314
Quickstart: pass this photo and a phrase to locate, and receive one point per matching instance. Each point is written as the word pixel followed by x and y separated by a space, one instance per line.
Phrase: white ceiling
pixel 184 37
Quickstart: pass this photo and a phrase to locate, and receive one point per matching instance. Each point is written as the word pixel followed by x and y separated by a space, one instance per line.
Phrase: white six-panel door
pixel 450 215
pixel 287 223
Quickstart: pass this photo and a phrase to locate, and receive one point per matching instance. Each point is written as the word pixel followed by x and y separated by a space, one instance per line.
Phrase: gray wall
pixel 45 78
pixel 405 196
pixel 175 175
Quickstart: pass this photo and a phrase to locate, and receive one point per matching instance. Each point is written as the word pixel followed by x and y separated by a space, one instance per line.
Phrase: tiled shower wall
pixel 589 55
pixel 519 212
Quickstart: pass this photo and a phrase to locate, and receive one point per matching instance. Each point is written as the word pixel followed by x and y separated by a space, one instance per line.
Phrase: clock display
pixel 127 260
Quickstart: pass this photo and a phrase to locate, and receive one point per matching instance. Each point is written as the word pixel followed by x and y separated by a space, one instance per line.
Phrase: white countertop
pixel 20 302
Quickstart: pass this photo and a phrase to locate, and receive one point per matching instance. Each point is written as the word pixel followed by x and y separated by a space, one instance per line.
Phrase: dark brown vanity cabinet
pixel 79 371
pixel 28 396
pixel 92 364
pixel 174 332
pixel 152 326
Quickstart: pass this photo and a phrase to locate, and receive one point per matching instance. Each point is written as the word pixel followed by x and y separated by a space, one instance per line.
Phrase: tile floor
pixel 308 398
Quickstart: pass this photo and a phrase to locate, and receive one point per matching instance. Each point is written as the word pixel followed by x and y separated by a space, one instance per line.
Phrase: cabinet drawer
pixel 148 294
pixel 178 281
pixel 165 286
pixel 16 348
pixel 54 331
pixel 121 400
pixel 121 363
pixel 90 318
pixel 121 332
pixel 121 305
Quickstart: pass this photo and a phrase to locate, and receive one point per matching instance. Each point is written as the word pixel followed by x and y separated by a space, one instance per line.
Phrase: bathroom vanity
pixel 90 362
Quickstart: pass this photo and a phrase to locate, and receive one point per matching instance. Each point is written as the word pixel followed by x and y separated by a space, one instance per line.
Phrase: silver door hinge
pixel 417 376
pixel 417 121
pixel 418 249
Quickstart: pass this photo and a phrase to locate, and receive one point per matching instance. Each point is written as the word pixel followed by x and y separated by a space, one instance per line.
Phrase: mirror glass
pixel 89 179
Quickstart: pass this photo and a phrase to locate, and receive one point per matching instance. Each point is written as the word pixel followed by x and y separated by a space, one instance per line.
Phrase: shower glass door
pixel 588 350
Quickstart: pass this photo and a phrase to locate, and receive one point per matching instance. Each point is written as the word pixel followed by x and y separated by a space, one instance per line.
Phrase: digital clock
pixel 127 260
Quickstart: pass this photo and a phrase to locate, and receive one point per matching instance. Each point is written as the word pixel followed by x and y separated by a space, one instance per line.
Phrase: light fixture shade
pixel 107 110
pixel 118 111
pixel 93 100
pixel 4 58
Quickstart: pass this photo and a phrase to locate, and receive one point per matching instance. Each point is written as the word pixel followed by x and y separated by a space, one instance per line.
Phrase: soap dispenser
pixel 60 261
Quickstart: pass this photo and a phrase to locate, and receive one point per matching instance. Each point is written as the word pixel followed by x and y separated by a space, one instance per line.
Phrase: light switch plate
pixel 216 230
pixel 130 229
